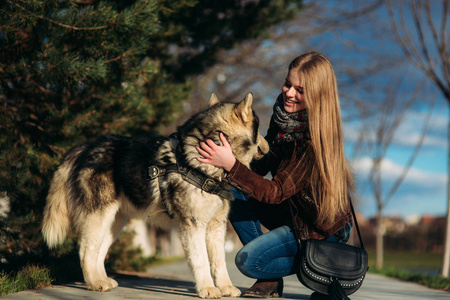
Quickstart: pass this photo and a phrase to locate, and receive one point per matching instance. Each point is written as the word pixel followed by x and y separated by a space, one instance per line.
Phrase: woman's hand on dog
pixel 218 156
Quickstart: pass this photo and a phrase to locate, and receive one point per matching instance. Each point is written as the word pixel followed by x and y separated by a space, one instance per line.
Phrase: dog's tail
pixel 56 223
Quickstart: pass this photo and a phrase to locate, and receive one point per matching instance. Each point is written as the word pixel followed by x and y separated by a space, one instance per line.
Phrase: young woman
pixel 310 173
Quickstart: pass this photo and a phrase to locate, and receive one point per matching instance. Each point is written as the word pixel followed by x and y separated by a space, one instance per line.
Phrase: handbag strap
pixel 356 224
pixel 297 234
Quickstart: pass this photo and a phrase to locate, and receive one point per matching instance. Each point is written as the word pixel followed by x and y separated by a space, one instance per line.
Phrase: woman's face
pixel 293 96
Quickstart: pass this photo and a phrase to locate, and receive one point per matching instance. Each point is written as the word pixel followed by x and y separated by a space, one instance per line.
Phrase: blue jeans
pixel 264 256
pixel 272 255
pixel 247 215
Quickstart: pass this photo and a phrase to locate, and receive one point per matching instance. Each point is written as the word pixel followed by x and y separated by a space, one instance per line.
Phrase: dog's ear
pixel 213 100
pixel 244 108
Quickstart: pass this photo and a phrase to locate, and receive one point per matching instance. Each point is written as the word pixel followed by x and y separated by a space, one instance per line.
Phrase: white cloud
pixel 409 131
pixel 391 171
pixel 422 192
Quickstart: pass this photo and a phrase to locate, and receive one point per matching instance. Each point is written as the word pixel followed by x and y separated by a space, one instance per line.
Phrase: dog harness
pixel 194 177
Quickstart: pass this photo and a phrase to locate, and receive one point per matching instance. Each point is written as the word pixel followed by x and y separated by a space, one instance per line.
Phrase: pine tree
pixel 73 70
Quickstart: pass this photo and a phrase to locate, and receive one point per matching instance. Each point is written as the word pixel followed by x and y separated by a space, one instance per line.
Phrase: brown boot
pixel 264 288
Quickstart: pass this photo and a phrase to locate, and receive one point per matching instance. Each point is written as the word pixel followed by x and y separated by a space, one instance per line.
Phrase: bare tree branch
pixel 422 59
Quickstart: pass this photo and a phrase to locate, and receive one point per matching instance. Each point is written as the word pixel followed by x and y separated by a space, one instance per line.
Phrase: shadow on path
pixel 157 285
pixel 175 287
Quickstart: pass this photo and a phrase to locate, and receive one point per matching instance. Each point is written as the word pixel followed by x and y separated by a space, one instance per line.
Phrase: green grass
pixel 433 281
pixel 29 277
pixel 422 268
pixel 409 260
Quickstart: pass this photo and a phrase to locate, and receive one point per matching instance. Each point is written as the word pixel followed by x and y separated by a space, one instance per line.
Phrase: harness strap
pixel 192 176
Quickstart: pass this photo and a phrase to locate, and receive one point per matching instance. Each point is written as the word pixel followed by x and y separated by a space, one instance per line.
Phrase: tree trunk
pixel 379 240
pixel 445 261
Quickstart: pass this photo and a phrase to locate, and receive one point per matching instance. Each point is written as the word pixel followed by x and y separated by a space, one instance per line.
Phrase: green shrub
pixel 122 257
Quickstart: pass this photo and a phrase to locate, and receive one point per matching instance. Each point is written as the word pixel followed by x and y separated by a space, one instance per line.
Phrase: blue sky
pixel 369 66
pixel 370 42
pixel 424 189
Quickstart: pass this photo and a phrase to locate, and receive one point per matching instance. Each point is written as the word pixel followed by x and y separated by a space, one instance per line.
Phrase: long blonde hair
pixel 330 178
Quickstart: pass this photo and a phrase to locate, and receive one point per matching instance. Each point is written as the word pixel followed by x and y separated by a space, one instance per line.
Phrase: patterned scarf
pixel 292 126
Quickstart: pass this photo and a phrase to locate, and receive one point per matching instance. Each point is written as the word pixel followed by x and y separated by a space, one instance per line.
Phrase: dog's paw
pixel 100 286
pixel 112 283
pixel 230 291
pixel 210 293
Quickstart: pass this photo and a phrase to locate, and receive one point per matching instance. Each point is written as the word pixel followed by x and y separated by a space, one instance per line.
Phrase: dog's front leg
pixel 215 242
pixel 193 239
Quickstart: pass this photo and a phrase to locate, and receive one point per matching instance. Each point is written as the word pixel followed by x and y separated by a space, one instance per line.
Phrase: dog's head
pixel 240 125
pixel 237 121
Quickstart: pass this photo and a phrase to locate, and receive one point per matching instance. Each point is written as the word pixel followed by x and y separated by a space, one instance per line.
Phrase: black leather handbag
pixel 332 268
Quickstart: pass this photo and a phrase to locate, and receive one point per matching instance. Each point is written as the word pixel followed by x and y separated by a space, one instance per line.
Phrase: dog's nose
pixel 260 151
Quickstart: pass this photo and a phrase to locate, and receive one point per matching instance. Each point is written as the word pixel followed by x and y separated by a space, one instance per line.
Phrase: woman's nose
pixel 291 91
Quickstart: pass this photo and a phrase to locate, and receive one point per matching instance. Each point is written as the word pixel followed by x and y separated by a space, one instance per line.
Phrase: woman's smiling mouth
pixel 292 102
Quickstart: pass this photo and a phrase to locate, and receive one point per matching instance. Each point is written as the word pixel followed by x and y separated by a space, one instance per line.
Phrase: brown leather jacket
pixel 285 185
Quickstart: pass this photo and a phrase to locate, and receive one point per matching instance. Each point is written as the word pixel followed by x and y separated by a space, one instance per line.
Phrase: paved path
pixel 174 281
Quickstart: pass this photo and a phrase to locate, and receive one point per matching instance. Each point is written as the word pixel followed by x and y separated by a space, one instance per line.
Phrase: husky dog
pixel 101 184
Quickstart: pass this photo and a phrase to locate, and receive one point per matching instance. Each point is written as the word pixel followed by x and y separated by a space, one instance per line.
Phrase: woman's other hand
pixel 218 156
